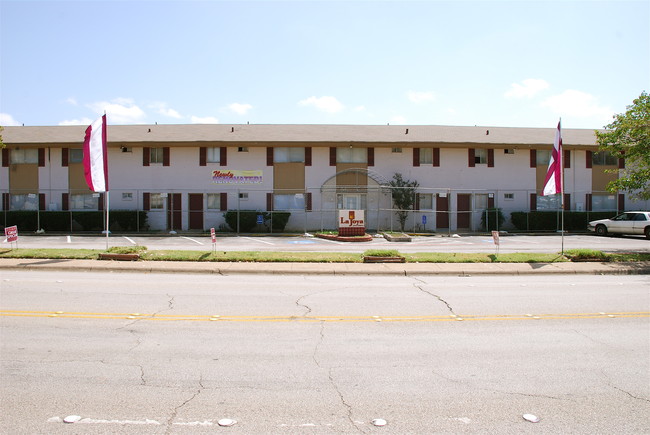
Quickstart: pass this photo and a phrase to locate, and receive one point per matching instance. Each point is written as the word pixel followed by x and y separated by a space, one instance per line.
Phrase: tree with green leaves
pixel 2 144
pixel 403 194
pixel 628 136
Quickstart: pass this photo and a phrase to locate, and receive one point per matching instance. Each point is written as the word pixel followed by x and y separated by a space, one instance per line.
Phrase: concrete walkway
pixel 452 269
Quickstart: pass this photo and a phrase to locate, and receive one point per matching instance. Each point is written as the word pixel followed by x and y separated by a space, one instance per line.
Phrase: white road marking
pixel 195 241
pixel 69 239
pixel 130 240
pixel 257 240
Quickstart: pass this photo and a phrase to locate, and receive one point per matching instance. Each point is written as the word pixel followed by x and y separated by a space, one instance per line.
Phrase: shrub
pixel 119 220
pixel 276 220
pixel 492 215
pixel 550 220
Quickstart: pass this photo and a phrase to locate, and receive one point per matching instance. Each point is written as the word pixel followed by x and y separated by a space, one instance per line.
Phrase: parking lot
pixel 304 243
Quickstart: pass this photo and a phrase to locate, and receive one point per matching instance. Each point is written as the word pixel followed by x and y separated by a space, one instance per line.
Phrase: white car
pixel 630 222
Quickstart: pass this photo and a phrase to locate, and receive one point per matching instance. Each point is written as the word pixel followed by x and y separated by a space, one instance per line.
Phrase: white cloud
pixel 119 111
pixel 82 121
pixel 239 108
pixel 204 120
pixel 325 104
pixel 360 109
pixel 71 101
pixel 527 89
pixel 162 109
pixel 577 104
pixel 6 120
pixel 420 97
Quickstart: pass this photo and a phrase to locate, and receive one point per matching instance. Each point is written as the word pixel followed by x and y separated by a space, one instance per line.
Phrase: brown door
pixel 464 210
pixel 174 214
pixel 442 209
pixel 196 211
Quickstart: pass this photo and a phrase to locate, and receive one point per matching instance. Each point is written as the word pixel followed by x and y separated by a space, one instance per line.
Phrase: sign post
pixel 424 222
pixel 495 237
pixel 11 233
pixel 213 235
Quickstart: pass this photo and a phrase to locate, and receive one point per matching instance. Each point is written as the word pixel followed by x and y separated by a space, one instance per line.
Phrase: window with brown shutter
pixel 533 158
pixel 471 158
pixel 223 201
pixel 308 204
pixel 64 157
pixel 223 158
pixel 146 156
pixel 146 201
pixel 5 157
pixel 590 158
pixel 436 157
pixel 65 201
pixel 416 157
pixel 307 156
pixel 269 156
pixel 567 159
pixel 166 161
pixel 371 156
pixel 332 156
pixel 490 158
pixel 203 156
pixel 533 201
pixel 269 202
pixel 41 157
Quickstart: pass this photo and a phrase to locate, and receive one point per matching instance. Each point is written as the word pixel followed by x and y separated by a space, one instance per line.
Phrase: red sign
pixel 12 234
pixel 213 235
pixel 495 237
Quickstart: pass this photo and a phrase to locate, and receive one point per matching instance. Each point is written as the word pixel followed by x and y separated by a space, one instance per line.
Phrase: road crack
pixel 439 298
pixel 171 418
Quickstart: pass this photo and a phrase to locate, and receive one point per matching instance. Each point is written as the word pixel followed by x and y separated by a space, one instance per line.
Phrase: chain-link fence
pixel 431 210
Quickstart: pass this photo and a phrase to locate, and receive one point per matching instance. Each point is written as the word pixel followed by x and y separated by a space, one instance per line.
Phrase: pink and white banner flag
pixel 95 158
pixel 553 181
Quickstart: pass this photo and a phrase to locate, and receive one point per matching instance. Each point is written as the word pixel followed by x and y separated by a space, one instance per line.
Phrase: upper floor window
pixel 213 155
pixel 480 156
pixel 289 155
pixel 351 155
pixel 24 156
pixel 156 155
pixel 604 158
pixel 76 155
pixel 426 156
pixel 543 157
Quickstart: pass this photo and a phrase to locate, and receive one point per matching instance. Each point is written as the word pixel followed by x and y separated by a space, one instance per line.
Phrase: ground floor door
pixel 174 212
pixel 442 211
pixel 196 211
pixel 464 211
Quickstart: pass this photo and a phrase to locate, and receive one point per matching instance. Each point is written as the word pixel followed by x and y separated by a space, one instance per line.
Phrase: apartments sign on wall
pixel 236 177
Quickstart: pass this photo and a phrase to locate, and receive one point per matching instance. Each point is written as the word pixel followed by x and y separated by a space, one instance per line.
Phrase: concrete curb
pixel 402 269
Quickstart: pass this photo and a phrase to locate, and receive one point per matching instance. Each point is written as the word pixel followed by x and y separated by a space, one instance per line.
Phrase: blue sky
pixel 510 64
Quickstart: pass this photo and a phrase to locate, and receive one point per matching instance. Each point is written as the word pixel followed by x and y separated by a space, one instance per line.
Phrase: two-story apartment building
pixel 187 176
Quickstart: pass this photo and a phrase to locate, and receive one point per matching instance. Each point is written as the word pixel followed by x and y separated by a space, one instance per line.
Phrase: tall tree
pixel 403 193
pixel 629 137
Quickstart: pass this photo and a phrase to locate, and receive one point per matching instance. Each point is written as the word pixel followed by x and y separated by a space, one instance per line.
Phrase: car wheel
pixel 647 232
pixel 601 230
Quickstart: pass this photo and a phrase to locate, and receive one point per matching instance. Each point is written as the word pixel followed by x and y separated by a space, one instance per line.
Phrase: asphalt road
pixel 485 244
pixel 163 354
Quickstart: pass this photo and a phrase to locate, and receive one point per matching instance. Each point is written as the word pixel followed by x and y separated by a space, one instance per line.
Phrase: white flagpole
pixel 561 158
pixel 107 203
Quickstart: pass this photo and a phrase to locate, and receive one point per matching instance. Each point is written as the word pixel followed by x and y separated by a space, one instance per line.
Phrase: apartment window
pixel 509 196
pixel 156 201
pixel 289 155
pixel 24 156
pixel 243 196
pixel 242 149
pixel 213 155
pixel 76 155
pixel 509 151
pixel 602 202
pixel 480 156
pixel 214 201
pixel 84 201
pixel 396 150
pixel 551 202
pixel 156 155
pixel 543 157
pixel 289 202
pixel 426 156
pixel 425 201
pixel 351 155
pixel 127 196
pixel 24 202
pixel 603 158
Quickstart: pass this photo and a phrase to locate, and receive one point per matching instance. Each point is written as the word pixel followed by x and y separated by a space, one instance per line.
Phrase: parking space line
pixel 130 240
pixel 69 239
pixel 257 240
pixel 195 241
